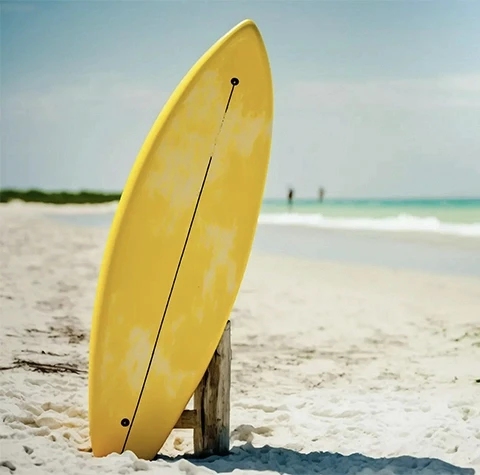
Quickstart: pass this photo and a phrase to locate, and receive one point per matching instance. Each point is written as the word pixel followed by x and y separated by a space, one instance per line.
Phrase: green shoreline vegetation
pixel 58 197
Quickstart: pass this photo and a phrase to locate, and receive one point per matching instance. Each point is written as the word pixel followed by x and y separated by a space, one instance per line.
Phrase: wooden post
pixel 210 418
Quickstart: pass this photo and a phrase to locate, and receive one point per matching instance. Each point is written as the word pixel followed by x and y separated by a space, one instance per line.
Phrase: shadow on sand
pixel 290 462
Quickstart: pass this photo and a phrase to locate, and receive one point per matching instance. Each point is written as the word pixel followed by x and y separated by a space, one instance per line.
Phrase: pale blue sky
pixel 372 98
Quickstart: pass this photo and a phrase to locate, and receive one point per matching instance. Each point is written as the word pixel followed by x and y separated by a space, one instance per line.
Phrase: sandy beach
pixel 337 368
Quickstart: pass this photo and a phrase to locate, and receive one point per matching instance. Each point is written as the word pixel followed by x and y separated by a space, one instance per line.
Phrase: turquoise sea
pixel 456 209
pixel 446 216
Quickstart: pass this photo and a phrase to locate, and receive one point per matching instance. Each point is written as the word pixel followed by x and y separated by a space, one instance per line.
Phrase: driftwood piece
pixel 44 367
pixel 210 419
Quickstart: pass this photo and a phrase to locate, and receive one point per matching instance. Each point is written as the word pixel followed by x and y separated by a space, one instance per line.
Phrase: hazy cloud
pixel 101 88
pixel 442 92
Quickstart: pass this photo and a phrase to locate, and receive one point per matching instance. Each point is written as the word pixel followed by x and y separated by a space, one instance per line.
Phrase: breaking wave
pixel 402 222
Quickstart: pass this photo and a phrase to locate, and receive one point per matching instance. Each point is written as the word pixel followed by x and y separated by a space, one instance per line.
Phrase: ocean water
pixel 460 217
pixel 440 236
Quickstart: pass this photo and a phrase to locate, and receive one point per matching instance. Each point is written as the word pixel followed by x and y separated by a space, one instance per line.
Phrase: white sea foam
pixel 402 222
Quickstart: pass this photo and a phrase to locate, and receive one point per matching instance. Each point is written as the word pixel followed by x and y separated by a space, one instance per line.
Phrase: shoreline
pixel 430 252
pixel 422 251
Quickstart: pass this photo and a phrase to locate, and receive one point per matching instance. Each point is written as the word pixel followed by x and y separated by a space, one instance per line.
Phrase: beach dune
pixel 337 368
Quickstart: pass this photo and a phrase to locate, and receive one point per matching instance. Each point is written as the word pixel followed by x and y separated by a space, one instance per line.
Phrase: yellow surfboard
pixel 178 246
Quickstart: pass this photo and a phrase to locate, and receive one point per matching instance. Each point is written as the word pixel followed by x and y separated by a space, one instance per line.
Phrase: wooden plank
pixel 188 420
pixel 212 402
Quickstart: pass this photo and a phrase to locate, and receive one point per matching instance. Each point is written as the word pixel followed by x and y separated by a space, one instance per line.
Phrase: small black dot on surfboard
pixel 125 422
pixel 235 81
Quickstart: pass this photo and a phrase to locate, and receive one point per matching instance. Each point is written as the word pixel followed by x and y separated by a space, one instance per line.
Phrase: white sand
pixel 337 369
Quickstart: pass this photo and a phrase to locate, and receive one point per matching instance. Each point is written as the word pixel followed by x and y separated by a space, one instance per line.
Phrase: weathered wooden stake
pixel 210 418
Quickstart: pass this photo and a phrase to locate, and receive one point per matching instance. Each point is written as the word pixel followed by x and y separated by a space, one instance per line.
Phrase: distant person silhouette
pixel 290 196
pixel 321 194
